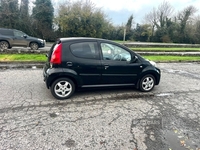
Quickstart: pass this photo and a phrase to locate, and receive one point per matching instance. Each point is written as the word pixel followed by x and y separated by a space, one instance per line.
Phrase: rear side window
pixel 6 32
pixel 86 50
pixel 19 33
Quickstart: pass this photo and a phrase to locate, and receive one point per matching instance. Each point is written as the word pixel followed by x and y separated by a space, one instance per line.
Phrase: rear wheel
pixel 34 46
pixel 4 45
pixel 147 83
pixel 62 88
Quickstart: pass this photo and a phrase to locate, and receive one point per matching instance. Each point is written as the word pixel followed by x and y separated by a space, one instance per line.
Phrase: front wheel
pixel 4 45
pixel 34 46
pixel 62 88
pixel 147 83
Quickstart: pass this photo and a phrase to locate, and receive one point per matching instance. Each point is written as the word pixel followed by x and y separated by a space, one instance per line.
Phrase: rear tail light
pixel 56 55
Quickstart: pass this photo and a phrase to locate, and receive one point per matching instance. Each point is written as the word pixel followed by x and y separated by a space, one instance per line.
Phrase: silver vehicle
pixel 11 37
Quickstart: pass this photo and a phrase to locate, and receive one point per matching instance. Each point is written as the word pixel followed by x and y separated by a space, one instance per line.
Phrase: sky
pixel 120 10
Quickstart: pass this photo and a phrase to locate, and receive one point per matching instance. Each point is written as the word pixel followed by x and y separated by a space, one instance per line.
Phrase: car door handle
pixel 106 66
pixel 69 64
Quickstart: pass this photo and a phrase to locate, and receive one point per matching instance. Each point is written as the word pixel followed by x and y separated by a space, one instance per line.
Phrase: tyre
pixel 4 45
pixel 62 88
pixel 34 46
pixel 147 83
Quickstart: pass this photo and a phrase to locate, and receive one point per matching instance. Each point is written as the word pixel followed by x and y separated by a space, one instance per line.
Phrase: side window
pixel 6 32
pixel 115 53
pixel 86 50
pixel 18 33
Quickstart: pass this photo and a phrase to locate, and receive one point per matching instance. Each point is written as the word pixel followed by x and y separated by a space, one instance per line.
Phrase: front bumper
pixel 42 44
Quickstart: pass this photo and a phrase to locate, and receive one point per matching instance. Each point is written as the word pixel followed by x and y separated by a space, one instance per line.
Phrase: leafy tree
pixel 82 18
pixel 43 14
pixel 184 17
pixel 9 13
pixel 197 30
pixel 142 32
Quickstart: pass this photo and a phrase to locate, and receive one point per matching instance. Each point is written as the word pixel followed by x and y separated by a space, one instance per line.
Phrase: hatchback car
pixel 91 62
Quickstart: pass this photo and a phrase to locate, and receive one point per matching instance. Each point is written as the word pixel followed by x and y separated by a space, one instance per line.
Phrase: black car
pixel 91 62
pixel 11 37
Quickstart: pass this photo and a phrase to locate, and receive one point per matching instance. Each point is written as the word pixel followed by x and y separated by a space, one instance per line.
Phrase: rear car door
pixel 84 58
pixel 117 66
pixel 19 39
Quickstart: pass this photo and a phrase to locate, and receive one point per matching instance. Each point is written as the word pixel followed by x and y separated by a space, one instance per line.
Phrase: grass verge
pixel 166 49
pixel 165 58
pixel 23 57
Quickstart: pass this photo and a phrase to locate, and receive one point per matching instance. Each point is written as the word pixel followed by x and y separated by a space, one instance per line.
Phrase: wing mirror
pixel 134 59
pixel 25 36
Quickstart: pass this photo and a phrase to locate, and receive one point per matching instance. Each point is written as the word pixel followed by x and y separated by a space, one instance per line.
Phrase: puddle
pixel 179 141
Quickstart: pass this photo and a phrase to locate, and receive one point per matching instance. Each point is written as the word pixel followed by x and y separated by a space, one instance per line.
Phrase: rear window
pixel 6 32
pixel 87 50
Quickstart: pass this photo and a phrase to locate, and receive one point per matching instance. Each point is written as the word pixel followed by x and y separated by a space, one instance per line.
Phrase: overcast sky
pixel 120 10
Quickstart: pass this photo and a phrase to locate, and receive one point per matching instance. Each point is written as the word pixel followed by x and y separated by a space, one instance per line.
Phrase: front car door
pixel 117 65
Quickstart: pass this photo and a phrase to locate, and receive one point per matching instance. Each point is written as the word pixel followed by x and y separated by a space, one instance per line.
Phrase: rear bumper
pixel 45 75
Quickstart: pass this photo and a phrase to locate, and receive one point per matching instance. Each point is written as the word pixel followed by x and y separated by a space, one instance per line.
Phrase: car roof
pixel 65 39
pixel 9 29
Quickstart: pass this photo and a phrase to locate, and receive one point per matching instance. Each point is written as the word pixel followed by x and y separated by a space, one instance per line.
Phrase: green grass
pixel 23 57
pixel 120 42
pixel 165 49
pixel 42 58
pixel 164 58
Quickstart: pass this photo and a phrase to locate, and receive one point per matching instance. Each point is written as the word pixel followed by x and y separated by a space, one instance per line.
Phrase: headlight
pixel 42 41
pixel 158 71
pixel 153 63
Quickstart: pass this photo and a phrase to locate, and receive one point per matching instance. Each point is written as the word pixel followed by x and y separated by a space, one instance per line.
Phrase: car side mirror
pixel 134 59
pixel 25 36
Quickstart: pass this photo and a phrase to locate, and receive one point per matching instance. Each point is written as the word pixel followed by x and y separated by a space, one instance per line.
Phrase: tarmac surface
pixel 168 118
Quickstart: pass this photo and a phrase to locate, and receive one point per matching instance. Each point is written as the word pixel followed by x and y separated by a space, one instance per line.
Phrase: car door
pixel 19 39
pixel 117 66
pixel 86 62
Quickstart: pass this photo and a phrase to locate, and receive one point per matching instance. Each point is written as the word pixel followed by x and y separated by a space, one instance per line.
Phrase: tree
pixel 164 12
pixel 185 17
pixel 43 14
pixel 129 31
pixel 82 18
pixel 197 30
pixel 142 32
pixel 160 19
pixel 24 17
pixel 9 13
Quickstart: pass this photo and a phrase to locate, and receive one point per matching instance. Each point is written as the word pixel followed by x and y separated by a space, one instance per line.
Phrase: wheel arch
pixel 63 76
pixel 154 74
pixel 9 45
pixel 33 42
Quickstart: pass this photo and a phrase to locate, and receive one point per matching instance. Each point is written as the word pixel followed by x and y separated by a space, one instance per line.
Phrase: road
pixel 168 118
